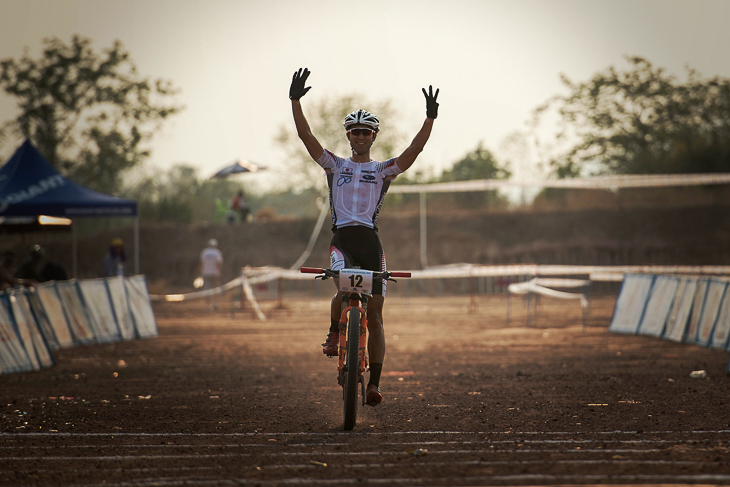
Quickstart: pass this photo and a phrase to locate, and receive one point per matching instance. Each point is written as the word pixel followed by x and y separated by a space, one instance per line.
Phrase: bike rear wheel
pixel 352 364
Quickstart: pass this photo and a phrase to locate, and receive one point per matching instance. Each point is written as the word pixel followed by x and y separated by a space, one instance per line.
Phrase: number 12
pixel 355 280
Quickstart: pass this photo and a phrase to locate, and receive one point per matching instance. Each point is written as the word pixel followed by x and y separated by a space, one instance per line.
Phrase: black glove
pixel 432 108
pixel 297 89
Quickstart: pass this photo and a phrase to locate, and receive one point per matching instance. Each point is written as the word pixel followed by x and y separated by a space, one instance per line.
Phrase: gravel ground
pixel 470 399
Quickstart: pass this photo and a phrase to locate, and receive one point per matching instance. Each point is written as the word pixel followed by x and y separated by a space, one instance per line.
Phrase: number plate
pixel 356 281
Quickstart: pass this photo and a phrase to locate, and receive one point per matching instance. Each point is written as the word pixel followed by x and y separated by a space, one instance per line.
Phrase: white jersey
pixel 357 189
pixel 211 260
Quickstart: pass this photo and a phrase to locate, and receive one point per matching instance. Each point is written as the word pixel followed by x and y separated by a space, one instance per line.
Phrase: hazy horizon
pixel 493 61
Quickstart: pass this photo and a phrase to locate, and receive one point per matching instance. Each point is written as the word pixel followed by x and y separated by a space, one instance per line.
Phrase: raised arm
pixel 296 91
pixel 409 155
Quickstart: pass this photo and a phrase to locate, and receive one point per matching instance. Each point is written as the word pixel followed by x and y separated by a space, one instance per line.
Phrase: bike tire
pixel 352 362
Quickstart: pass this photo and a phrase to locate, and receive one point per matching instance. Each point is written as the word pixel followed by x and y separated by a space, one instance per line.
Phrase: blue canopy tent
pixel 31 186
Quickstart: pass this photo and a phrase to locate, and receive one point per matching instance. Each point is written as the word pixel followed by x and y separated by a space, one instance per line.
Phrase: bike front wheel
pixel 352 365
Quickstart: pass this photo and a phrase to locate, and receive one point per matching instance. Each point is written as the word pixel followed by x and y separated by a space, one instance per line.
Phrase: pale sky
pixel 493 60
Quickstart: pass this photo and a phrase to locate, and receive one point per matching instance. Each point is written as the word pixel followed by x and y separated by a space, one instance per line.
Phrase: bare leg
pixel 336 306
pixel 376 339
pixel 329 347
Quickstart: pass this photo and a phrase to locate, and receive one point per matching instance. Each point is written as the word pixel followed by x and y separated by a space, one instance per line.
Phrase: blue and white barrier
pixel 681 309
pixel 693 310
pixel 51 306
pixel 140 307
pixel 17 349
pixel 117 290
pixel 53 315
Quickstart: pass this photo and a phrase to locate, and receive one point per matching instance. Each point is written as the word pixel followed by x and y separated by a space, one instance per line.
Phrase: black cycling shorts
pixel 358 246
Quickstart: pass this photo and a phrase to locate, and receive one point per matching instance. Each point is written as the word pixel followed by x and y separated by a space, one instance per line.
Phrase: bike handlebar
pixel 400 274
pixel 333 273
pixel 312 270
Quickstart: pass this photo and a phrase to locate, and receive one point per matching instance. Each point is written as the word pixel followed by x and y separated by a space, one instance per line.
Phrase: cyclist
pixel 357 186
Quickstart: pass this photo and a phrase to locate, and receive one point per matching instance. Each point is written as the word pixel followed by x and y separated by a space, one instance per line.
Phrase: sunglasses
pixel 357 132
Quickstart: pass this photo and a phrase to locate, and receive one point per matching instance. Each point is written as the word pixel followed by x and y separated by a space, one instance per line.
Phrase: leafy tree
pixel 325 118
pixel 89 114
pixel 642 121
pixel 477 164
pixel 180 196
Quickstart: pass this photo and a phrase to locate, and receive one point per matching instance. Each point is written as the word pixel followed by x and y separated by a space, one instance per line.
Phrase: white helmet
pixel 362 117
pixel 213 242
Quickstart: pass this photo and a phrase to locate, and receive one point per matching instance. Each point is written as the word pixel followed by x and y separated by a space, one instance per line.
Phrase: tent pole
pixel 136 244
pixel 75 250
pixel 424 231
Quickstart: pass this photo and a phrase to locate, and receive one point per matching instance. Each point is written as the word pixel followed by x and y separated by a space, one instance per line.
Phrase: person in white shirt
pixel 211 263
pixel 114 263
pixel 357 186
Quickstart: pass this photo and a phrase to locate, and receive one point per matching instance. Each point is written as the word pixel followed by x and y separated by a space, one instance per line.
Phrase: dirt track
pixel 470 400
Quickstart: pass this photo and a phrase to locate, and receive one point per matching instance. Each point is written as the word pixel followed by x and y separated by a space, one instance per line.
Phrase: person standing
pixel 237 208
pixel 7 271
pixel 31 268
pixel 211 265
pixel 38 268
pixel 115 262
pixel 357 186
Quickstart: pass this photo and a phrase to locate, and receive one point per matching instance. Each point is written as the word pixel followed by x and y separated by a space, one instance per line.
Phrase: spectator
pixel 31 269
pixel 114 263
pixel 7 271
pixel 211 263
pixel 238 210
pixel 39 269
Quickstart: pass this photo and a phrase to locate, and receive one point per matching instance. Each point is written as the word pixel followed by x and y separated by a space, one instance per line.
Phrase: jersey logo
pixel 345 176
pixel 368 178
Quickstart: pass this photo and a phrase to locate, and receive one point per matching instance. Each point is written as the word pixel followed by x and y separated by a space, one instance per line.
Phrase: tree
pixel 325 118
pixel 477 164
pixel 180 196
pixel 88 114
pixel 642 121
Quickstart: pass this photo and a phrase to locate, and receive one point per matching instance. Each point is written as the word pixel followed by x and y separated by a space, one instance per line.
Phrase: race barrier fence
pixel 530 280
pixel 684 309
pixel 50 316
pixel 544 287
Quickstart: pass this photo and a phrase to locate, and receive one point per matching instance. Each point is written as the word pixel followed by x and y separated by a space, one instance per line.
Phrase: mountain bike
pixel 357 286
